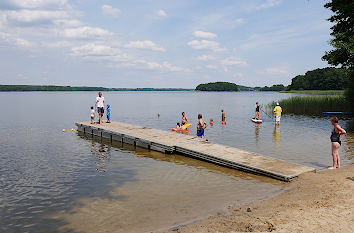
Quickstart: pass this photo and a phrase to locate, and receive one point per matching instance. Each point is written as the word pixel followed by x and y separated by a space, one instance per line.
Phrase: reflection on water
pixel 101 154
pixel 276 136
pixel 348 140
pixel 256 132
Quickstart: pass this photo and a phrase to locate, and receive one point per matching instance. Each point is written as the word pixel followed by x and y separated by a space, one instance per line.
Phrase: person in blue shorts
pixel 201 126
pixel 108 113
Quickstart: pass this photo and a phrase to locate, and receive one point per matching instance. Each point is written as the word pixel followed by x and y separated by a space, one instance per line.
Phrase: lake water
pixel 52 181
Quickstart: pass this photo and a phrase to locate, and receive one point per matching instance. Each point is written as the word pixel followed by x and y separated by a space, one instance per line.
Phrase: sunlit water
pixel 51 181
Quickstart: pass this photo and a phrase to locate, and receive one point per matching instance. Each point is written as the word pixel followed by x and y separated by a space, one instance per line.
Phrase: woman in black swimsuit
pixel 336 142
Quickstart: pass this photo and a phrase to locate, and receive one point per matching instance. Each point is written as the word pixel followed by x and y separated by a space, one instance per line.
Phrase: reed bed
pixel 313 105
pixel 316 92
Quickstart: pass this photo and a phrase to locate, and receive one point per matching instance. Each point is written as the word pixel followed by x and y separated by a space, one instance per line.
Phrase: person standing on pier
pixel 99 106
pixel 184 118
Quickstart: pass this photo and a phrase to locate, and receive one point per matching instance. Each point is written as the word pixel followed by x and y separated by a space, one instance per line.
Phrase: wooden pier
pixel 171 142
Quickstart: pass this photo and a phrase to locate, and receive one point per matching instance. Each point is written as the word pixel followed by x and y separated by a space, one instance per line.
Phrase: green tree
pixel 343 40
pixel 277 87
pixel 329 78
pixel 217 86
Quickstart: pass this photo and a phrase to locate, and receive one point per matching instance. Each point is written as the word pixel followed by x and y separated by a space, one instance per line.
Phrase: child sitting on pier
pixel 92 115
pixel 108 113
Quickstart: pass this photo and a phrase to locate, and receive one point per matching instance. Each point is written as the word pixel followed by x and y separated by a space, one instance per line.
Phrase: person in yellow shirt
pixel 277 114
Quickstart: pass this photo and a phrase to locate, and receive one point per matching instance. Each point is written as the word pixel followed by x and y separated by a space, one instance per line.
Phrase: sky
pixel 160 43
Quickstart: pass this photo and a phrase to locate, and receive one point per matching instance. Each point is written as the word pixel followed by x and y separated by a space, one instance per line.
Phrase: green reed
pixel 316 92
pixel 313 105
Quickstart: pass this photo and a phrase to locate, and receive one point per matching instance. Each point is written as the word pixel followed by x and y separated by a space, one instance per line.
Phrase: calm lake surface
pixel 66 182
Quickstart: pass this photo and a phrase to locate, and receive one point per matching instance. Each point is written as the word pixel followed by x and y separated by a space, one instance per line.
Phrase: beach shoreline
pixel 315 202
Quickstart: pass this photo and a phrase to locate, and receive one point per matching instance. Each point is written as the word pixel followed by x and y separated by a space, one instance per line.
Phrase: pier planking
pixel 171 142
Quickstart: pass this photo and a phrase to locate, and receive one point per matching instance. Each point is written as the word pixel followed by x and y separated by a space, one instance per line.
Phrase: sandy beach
pixel 314 202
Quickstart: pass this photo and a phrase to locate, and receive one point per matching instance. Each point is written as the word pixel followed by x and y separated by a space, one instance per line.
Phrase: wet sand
pixel 315 202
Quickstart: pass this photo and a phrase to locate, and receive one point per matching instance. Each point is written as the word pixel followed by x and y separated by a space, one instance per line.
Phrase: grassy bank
pixel 317 92
pixel 313 105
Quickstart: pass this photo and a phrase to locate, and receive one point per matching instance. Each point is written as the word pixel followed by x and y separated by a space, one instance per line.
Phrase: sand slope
pixel 315 202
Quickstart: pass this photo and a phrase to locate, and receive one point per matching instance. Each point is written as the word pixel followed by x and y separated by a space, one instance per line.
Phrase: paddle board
pixel 257 121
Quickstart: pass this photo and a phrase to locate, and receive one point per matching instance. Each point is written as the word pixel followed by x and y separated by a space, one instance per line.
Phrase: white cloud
pixel 102 52
pixel 144 44
pixel 34 16
pixel 237 75
pixel 205 44
pixel 85 32
pixel 205 58
pixel 233 61
pixel 201 34
pixel 211 66
pixel 66 23
pixel 277 37
pixel 17 41
pixel 269 4
pixel 33 4
pixel 165 66
pixel 161 13
pixel 56 44
pixel 174 68
pixel 93 49
pixel 114 56
pixel 109 11
pixel 24 43
pixel 237 21
pixel 275 71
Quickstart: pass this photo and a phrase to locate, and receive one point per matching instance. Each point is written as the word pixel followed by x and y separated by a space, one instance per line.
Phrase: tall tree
pixel 343 40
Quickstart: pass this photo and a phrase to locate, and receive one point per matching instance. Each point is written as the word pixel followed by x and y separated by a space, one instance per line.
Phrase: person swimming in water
pixel 336 142
pixel 201 126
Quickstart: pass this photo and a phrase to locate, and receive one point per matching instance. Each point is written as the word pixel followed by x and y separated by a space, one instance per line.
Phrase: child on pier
pixel 108 113
pixel 178 126
pixel 92 115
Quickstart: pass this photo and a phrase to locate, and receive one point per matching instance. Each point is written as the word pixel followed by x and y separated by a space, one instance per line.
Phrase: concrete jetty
pixel 171 142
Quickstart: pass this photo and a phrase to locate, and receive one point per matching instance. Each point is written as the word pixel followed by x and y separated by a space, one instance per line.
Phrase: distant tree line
pixel 329 78
pixel 5 88
pixel 277 87
pixel 217 86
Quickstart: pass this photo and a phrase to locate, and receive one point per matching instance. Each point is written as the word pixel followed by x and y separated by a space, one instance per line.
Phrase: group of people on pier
pixel 100 106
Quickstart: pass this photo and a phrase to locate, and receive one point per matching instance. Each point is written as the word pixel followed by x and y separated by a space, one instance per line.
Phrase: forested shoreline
pixel 25 88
